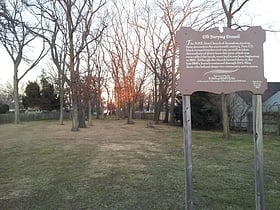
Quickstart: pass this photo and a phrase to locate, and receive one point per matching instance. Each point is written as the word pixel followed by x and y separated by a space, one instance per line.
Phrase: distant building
pixel 241 104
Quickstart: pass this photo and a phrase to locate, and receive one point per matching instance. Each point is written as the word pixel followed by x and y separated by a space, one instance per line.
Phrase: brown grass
pixel 113 165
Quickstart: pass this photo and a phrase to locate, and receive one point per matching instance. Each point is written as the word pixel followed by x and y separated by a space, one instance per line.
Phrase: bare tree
pixel 230 10
pixel 101 77
pixel 164 18
pixel 58 46
pixel 71 31
pixel 18 32
pixel 89 80
pixel 96 79
pixel 157 55
pixel 174 16
pixel 79 23
pixel 124 50
pixel 54 33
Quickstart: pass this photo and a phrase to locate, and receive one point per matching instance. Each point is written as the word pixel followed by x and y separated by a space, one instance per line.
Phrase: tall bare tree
pixel 101 77
pixel 157 56
pixel 230 9
pixel 174 16
pixel 74 25
pixel 89 80
pixel 18 32
pixel 164 18
pixel 54 33
pixel 96 79
pixel 124 50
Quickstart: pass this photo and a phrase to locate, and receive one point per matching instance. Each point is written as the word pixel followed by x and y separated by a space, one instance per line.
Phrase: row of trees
pixel 125 49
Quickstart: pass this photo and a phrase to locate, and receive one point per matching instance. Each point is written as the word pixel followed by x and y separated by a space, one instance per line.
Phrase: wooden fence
pixel 271 122
pixel 144 115
pixel 33 116
pixel 149 115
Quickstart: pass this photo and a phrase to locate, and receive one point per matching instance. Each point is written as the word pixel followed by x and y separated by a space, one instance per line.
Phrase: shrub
pixel 4 108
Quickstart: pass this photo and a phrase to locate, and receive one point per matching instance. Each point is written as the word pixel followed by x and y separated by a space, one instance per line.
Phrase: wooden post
pixel 258 151
pixel 188 152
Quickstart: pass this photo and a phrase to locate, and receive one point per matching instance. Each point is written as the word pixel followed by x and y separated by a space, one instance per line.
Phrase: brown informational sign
pixel 221 61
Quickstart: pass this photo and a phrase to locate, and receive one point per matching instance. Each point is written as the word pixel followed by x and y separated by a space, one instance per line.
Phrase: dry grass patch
pixel 112 165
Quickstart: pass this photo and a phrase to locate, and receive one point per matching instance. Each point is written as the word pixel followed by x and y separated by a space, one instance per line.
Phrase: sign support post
pixel 221 62
pixel 188 151
pixel 258 151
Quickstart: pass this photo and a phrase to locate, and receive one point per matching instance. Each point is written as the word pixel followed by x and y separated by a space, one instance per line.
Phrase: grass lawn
pixel 112 165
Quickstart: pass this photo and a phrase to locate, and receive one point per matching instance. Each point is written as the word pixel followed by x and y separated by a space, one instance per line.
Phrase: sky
pixel 266 14
pixel 261 12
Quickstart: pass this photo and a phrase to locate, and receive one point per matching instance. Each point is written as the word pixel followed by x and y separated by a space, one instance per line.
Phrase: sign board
pixel 221 61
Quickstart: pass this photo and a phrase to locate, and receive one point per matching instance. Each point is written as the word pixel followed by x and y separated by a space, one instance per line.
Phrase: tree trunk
pixel 155 100
pixel 61 100
pixel 61 109
pixel 129 110
pixel 172 105
pixel 16 96
pixel 226 130
pixel 75 122
pixel 118 114
pixel 98 105
pixel 157 112
pixel 89 112
pixel 166 117
pixel 61 112
pixel 75 99
pixel 173 88
pixel 81 114
pixel 102 111
pixel 158 108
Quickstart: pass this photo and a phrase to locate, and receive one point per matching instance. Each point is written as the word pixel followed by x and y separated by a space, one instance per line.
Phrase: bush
pixel 4 108
pixel 205 110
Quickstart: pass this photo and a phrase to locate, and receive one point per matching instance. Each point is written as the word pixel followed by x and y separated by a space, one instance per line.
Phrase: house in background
pixel 271 98
pixel 241 105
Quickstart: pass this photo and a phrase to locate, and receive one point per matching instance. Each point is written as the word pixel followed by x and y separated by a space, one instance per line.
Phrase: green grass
pixel 112 165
